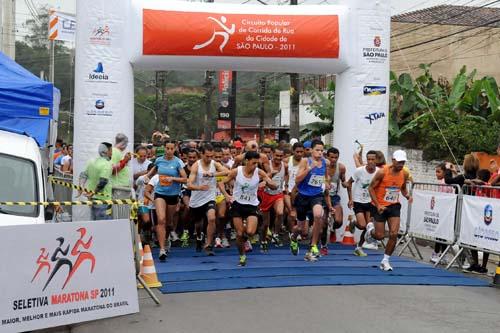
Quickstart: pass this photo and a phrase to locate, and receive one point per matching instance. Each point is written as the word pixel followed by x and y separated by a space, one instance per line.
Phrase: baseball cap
pixel 307 144
pixel 293 141
pixel 237 144
pixel 399 155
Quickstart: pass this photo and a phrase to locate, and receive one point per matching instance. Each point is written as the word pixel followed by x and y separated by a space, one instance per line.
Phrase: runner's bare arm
pixel 327 176
pixel 350 204
pixel 375 182
pixel 183 177
pixel 221 170
pixel 150 174
pixel 358 160
pixel 230 177
pixel 269 182
pixel 303 171
pixel 192 180
pixel 405 192
pixel 238 159
pixel 343 171
pixel 287 177
pixel 266 164
pixel 328 201
pixel 148 194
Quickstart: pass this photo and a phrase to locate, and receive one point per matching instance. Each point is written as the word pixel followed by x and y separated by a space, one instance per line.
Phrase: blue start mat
pixel 188 271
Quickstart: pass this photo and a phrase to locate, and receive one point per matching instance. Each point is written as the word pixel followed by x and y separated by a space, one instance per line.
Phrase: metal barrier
pixel 121 211
pixel 477 227
pixel 434 215
pixel 62 193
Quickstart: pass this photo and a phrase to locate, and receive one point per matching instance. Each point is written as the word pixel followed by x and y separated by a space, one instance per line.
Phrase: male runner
pixel 184 216
pixel 252 145
pixel 203 185
pixel 273 199
pixel 336 172
pixel 384 190
pixel 359 197
pixel 244 200
pixel 311 177
pixel 220 203
pixel 290 189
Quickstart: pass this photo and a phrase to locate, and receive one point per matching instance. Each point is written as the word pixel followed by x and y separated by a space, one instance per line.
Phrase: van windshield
pixel 18 182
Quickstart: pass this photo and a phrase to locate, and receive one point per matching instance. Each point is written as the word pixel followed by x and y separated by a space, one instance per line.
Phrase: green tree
pixel 323 107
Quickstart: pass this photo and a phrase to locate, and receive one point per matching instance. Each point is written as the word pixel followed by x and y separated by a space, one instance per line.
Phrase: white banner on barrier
pixel 433 214
pixel 479 226
pixel 403 214
pixel 58 274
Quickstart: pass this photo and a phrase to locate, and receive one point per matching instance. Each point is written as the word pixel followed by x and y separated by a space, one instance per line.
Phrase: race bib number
pixel 246 197
pixel 316 180
pixel 333 188
pixel 391 195
pixel 165 180
pixel 365 195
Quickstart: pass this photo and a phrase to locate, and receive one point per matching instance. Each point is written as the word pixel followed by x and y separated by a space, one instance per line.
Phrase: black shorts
pixel 304 204
pixel 389 211
pixel 361 208
pixel 171 200
pixel 243 211
pixel 185 193
pixel 199 213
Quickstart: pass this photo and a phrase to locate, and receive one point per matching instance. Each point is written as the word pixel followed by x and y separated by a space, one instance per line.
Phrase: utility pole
pixel 7 27
pixel 209 89
pixel 262 99
pixel 294 100
pixel 232 105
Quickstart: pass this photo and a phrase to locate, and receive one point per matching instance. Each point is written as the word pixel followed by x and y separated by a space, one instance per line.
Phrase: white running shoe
pixel 248 246
pixel 368 235
pixel 173 236
pixel 218 243
pixel 368 246
pixel 385 266
pixel 435 257
pixel 225 243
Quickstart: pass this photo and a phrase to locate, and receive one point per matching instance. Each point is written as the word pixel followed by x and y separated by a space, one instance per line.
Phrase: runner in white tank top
pixel 290 190
pixel 273 199
pixel 244 199
pixel 202 183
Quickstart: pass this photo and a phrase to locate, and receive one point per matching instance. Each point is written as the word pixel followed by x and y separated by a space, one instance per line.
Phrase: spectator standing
pixel 119 160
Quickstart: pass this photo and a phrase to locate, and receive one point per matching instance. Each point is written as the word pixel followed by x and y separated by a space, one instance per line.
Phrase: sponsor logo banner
pixel 65 273
pixel 480 226
pixel 433 214
pixel 240 35
pixel 225 79
pixel 374 90
pixel 62 26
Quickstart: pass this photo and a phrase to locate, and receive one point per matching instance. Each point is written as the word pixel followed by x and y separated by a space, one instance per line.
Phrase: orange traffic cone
pixel 348 236
pixel 141 254
pixel 148 270
pixel 333 236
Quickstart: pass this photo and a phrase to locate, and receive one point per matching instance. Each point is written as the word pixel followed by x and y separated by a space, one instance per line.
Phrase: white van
pixel 22 178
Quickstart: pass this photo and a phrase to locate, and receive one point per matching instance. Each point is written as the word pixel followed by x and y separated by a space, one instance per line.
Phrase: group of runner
pixel 210 191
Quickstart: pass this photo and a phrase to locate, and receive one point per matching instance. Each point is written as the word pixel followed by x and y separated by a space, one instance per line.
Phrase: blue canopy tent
pixel 27 104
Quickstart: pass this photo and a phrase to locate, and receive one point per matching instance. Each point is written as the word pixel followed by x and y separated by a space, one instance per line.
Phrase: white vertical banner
pixel 362 91
pixel 63 273
pixel 403 214
pixel 433 215
pixel 480 224
pixel 104 83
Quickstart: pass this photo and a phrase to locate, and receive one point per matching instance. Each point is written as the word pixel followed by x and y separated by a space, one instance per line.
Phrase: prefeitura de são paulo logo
pixel 61 256
pixel 433 203
pixel 377 41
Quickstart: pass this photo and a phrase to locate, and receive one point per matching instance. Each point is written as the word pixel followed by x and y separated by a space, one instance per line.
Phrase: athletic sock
pixel 386 257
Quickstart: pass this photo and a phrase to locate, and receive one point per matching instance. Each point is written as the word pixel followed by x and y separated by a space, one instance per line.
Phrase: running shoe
pixel 385 266
pixel 435 257
pixel 218 243
pixel 269 235
pixel 209 251
pixel 359 252
pixel 276 239
pixel 324 250
pixel 264 248
pixel 163 255
pixel 233 234
pixel 225 243
pixel 368 236
pixel 255 239
pixel 368 246
pixel 199 244
pixel 168 245
pixel 173 236
pixel 248 247
pixel 314 251
pixel 310 257
pixel 243 261
pixel 294 247
pixel 185 238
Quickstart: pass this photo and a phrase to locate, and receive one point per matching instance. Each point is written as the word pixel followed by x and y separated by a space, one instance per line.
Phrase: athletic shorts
pixel 267 200
pixel 335 200
pixel 143 210
pixel 389 211
pixel 199 213
pixel 219 199
pixel 361 208
pixel 242 211
pixel 304 204
pixel 171 200
pixel 185 193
